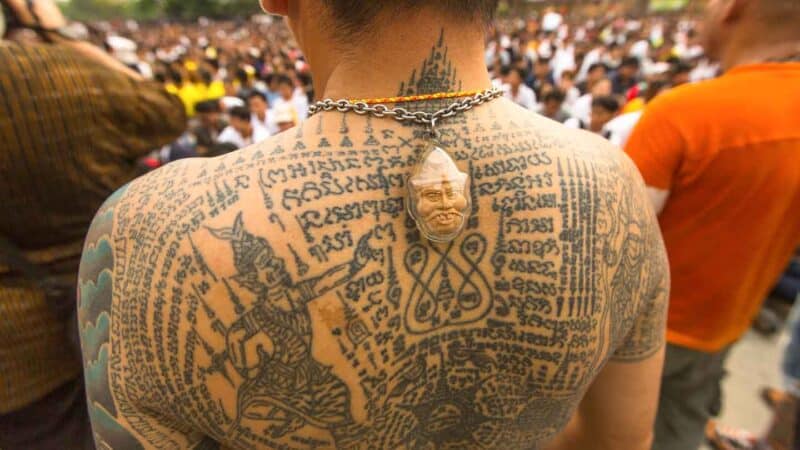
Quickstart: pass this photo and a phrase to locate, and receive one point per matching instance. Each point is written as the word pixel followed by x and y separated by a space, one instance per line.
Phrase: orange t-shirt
pixel 728 151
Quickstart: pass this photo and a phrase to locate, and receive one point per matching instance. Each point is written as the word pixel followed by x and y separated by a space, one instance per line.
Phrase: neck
pixel 750 52
pixel 421 58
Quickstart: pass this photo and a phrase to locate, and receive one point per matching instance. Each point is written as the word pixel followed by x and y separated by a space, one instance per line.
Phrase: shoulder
pixel 688 97
pixel 612 168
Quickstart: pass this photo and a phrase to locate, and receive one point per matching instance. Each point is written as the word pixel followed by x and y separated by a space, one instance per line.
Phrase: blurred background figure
pixel 783 432
pixel 74 123
pixel 516 91
pixel 722 161
pixel 604 109
pixel 582 109
pixel 241 132
pixel 553 106
pixel 292 98
pixel 210 126
pixel 257 101
pixel 626 76
pixel 285 117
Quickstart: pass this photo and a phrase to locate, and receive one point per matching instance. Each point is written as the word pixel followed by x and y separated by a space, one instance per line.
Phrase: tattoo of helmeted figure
pixel 270 344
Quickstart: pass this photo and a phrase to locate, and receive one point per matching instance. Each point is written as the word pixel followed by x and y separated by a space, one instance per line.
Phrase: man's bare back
pixel 281 297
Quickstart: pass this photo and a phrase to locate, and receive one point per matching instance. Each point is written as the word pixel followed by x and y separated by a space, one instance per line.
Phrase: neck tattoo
pixel 437 196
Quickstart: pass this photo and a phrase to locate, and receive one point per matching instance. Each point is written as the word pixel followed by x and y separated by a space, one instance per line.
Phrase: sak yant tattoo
pixel 282 297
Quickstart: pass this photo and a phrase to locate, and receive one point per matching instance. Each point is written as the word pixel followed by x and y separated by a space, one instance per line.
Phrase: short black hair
pixel 556 95
pixel 680 67
pixel 354 16
pixel 206 76
pixel 240 112
pixel 630 61
pixel 284 79
pixel 598 65
pixel 607 102
pixel 522 74
pixel 207 106
pixel 258 94
pixel 221 148
pixel 241 75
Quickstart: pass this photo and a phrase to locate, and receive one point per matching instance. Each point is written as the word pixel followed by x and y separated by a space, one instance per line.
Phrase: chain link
pixel 403 115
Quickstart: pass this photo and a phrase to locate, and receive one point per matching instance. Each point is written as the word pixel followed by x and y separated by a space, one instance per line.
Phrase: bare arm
pixel 618 410
pixel 658 197
pixel 616 413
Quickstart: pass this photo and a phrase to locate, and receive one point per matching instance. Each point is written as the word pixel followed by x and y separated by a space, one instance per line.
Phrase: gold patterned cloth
pixel 71 132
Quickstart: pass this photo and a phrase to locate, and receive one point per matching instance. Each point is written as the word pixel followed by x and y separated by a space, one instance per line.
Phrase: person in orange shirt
pixel 722 163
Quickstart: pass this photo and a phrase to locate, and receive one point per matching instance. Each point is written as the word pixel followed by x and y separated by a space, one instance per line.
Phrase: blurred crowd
pixel 595 74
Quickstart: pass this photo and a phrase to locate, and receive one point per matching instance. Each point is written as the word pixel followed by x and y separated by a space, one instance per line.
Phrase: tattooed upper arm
pixel 95 285
pixel 649 294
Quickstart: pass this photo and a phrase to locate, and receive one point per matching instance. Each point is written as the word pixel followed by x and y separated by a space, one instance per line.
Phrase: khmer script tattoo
pixel 281 297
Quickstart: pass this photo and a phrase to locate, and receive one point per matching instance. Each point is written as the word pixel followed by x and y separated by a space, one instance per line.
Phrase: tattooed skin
pixel 281 297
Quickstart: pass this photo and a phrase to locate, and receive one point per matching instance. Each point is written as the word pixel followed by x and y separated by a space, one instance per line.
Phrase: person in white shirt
pixel 567 85
pixel 582 109
pixel 619 129
pixel 516 91
pixel 284 117
pixel 292 96
pixel 261 116
pixel 241 132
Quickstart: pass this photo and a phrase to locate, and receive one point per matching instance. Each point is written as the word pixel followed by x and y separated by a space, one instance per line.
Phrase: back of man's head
pixel 240 112
pixel 608 103
pixel 778 12
pixel 356 16
pixel 737 24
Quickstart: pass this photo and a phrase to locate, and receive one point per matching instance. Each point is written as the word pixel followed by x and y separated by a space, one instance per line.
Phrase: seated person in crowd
pixel 241 132
pixel 552 106
pixel 293 96
pixel 603 110
pixel 516 91
pixel 259 107
pixel 207 133
pixel 626 76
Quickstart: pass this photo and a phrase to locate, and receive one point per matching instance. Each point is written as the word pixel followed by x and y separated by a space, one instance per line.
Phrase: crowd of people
pixel 589 73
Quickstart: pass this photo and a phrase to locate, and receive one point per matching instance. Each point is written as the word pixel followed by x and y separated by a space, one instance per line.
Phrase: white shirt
pixel 572 96
pixel 619 129
pixel 266 127
pixel 563 60
pixel 299 102
pixel 594 55
pixel 551 21
pixel 640 49
pixel 525 97
pixel 230 136
pixel 582 109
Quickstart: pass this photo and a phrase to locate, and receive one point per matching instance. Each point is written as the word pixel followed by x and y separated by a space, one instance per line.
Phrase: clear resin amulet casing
pixel 438 196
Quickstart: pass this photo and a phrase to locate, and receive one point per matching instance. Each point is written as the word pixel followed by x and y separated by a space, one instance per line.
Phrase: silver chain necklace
pixel 403 115
pixel 437 196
